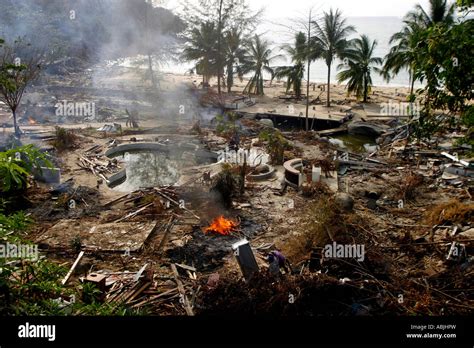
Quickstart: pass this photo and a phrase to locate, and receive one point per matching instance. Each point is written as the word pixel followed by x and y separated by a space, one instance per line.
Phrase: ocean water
pixel 376 28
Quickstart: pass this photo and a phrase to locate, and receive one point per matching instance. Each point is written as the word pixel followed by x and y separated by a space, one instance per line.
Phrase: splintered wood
pixel 98 164
pixel 167 195
pixel 140 289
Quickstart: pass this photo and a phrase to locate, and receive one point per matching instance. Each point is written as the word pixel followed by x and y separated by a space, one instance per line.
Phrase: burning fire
pixel 31 121
pixel 222 226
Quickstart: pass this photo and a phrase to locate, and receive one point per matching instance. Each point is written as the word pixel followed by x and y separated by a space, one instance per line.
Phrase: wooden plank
pixel 154 298
pixel 173 201
pixel 74 265
pixel 182 292
pixel 138 292
pixel 115 201
pixel 167 231
pixel 134 213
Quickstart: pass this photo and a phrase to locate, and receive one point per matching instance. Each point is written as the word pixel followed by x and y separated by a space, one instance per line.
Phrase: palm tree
pixel 257 61
pixel 361 62
pixel 234 54
pixel 294 73
pixel 403 54
pixel 439 12
pixel 201 49
pixel 331 38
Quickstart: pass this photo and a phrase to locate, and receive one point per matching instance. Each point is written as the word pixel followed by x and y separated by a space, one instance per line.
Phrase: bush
pixel 226 124
pixel 65 139
pixel 17 164
pixel 276 145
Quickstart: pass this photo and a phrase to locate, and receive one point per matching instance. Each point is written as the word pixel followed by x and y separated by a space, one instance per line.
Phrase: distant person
pixel 277 262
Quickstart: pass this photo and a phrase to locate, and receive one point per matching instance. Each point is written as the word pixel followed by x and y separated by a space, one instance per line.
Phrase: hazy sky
pixel 350 8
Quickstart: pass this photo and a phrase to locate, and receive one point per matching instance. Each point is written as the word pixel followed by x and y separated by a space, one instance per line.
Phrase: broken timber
pixel 187 306
pixel 73 267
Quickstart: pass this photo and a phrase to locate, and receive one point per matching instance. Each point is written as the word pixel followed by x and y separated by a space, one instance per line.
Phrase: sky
pixel 350 8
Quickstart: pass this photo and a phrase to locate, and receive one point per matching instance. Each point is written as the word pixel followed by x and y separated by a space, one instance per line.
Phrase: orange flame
pixel 222 226
pixel 31 121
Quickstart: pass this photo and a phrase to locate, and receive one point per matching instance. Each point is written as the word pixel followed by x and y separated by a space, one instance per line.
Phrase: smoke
pixel 95 38
pixel 92 30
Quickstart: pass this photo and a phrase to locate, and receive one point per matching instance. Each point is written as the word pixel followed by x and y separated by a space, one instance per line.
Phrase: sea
pixel 278 33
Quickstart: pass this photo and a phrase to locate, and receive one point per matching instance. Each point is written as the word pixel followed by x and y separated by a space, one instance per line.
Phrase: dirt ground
pixel 405 271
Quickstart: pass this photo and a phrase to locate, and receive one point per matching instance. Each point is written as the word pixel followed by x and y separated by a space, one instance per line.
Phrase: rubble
pixel 200 246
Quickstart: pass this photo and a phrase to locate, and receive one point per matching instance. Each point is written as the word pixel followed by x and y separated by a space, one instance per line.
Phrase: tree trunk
pixel 150 67
pixel 15 124
pixel 309 67
pixel 328 102
pixel 219 39
pixel 412 84
pixel 230 78
pixel 365 90
pixel 307 95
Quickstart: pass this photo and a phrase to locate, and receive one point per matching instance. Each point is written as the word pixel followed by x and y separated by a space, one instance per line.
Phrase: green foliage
pixel 200 47
pixel 90 293
pixel 467 119
pixel 331 40
pixel 276 145
pixel 361 62
pixel 438 52
pixel 445 64
pixel 226 123
pixel 465 4
pixel 76 243
pixel 234 53
pixel 294 73
pixel 12 223
pixel 17 164
pixel 214 39
pixel 256 62
pixel 468 116
pixel 426 125
pixel 33 287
